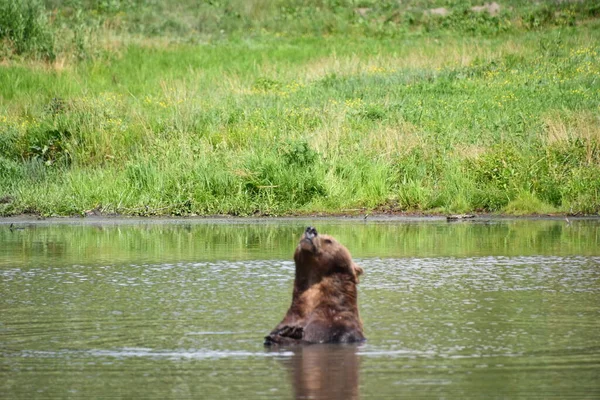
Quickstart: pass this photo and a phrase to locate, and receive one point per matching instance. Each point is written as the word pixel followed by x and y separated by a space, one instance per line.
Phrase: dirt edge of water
pixel 98 218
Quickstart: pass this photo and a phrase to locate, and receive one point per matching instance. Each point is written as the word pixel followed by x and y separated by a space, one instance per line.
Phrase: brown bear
pixel 324 301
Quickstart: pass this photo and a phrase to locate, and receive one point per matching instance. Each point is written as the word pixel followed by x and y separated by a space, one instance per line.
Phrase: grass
pixel 218 108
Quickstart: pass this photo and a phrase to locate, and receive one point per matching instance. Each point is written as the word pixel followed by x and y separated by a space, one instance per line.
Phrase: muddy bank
pixel 26 219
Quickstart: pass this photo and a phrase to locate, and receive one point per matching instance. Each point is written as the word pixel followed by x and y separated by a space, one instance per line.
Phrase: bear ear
pixel 358 271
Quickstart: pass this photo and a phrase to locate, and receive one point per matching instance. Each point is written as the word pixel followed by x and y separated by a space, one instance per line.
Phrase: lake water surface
pixel 178 309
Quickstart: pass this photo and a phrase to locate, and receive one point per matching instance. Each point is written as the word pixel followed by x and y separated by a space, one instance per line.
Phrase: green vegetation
pixel 281 107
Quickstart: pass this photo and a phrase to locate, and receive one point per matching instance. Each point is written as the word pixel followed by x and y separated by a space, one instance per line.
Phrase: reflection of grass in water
pixel 166 242
pixel 462 118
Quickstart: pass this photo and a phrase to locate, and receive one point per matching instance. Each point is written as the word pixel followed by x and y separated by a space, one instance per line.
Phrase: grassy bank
pixel 279 107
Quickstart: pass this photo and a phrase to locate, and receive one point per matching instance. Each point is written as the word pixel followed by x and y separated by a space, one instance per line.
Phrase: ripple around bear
pixel 324 302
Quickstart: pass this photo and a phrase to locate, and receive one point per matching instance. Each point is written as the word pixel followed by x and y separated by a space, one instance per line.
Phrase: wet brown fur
pixel 324 301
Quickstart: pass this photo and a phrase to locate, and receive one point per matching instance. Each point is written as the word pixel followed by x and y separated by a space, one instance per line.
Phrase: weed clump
pixel 24 28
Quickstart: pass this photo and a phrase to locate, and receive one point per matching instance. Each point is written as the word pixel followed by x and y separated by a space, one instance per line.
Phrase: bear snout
pixel 310 232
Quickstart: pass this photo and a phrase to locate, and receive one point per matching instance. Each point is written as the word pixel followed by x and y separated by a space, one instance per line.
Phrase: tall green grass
pixel 434 114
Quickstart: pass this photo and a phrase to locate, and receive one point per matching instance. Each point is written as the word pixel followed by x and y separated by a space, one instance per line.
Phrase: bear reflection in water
pixel 324 371
pixel 324 301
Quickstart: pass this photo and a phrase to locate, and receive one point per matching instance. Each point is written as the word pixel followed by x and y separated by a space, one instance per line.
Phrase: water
pixel 178 309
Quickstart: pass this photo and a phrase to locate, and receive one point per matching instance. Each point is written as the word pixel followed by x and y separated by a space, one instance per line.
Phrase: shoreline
pixel 31 219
